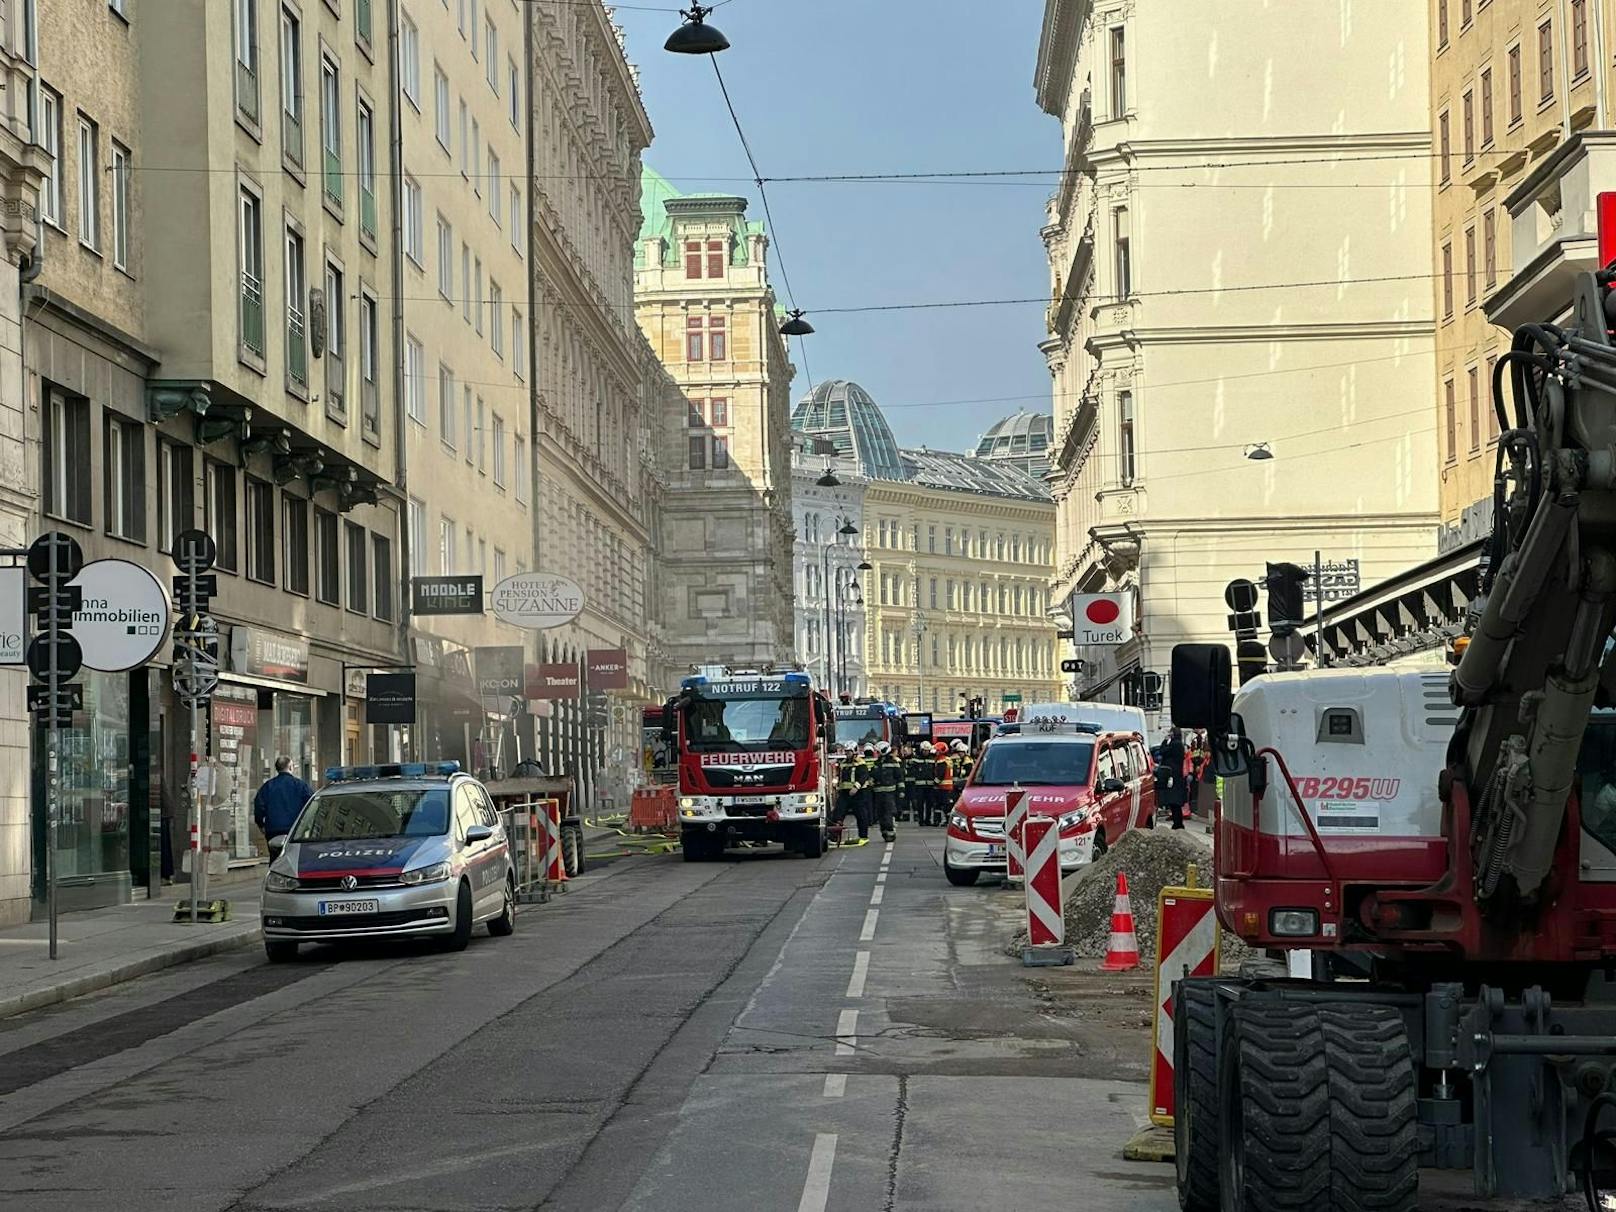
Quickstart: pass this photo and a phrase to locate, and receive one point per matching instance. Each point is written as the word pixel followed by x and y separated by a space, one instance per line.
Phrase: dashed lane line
pixel 846 1032
pixel 861 969
pixel 868 932
pixel 835 1085
pixel 875 897
pixel 881 878
pixel 816 1188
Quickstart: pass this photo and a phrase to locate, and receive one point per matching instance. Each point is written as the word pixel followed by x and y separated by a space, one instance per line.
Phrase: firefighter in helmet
pixel 922 776
pixel 943 790
pixel 886 778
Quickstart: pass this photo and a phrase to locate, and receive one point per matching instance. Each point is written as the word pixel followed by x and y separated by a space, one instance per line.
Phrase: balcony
pixel 252 314
pixel 1063 310
pixel 297 349
pixel 1554 230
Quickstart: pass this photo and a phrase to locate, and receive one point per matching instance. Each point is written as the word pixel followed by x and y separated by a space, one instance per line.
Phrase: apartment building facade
pixel 705 303
pixel 827 502
pixel 1235 381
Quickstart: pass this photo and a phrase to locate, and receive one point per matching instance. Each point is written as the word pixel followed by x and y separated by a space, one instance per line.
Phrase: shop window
pixel 358 578
pixel 125 466
pixel 260 530
pixel 67 458
pixel 381 557
pixel 327 561
pixel 295 512
pixel 220 521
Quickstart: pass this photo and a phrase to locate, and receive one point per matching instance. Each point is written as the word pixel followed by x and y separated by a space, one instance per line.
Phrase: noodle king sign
pixel 537 600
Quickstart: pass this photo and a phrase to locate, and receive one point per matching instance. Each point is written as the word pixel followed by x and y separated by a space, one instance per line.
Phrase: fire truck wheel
pixel 812 842
pixel 1195 1095
pixel 572 854
pixel 1274 1095
pixel 1374 1146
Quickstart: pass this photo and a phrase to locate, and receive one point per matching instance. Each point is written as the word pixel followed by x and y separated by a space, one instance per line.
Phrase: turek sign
pixel 1101 618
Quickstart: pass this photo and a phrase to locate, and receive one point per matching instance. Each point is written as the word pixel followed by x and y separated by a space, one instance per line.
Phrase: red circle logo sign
pixel 1102 611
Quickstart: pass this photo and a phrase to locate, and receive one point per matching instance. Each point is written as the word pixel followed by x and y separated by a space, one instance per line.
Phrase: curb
pixel 92 982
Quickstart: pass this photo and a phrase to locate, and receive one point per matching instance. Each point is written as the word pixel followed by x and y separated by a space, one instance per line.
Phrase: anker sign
pixel 446 595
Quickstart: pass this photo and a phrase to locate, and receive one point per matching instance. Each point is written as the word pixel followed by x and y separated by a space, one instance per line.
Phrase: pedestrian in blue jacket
pixel 279 800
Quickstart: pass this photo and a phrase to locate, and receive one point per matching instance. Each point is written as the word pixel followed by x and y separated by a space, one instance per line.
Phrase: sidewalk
pixel 104 947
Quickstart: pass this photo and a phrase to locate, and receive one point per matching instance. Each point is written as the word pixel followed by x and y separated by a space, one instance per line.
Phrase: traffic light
pixel 1150 686
pixel 1285 612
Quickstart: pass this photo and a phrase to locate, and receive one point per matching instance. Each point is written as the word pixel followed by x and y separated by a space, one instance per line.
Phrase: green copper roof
pixel 656 191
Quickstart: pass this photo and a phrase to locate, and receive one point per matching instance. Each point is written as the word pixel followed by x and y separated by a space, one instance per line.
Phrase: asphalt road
pixel 765 1032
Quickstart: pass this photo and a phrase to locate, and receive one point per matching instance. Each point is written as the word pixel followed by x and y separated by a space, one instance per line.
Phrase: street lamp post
pixel 847 593
pixel 846 529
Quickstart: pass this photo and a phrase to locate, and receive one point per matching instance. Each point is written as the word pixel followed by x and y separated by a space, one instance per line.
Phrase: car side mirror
pixel 277 847
pixel 1111 786
pixel 478 833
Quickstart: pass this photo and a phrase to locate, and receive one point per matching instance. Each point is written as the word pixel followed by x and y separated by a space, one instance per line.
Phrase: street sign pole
pixel 53 754
pixel 1318 609
pixel 196 674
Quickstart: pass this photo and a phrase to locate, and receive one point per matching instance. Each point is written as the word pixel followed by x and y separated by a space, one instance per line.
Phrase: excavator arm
pixel 1528 677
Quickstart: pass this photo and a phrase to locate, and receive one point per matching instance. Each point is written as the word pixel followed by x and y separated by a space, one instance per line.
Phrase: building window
pixel 414 223
pixel 120 206
pixel 717 256
pixel 446 260
pixel 125 457
pixel 1487 107
pixel 1579 38
pixel 482 436
pixel 1464 13
pixel 1545 61
pixel 446 405
pixel 446 546
pixel 370 405
pixel 327 562
pixel 414 379
pixel 465 281
pixel 499 450
pixel 1441 23
pixel 358 579
pixel 1492 411
pixel 467 424
pixel 718 410
pixel 1119 71
pixel 174 508
pixel 720 452
pixel 416 558
pixel 336 339
pixel 517 219
pixel 1475 409
pixel 252 273
pixel 291 88
pixel 247 59
pixel 50 140
pixel 1444 150
pixel 362 22
pixel 440 110
pixel 522 470
pixel 476 158
pixel 692 258
pixel 1452 419
pixel 1468 110
pixel 1126 438
pixel 694 339
pixel 297 352
pixel 89 183
pixel 381 553
pixel 496 192
pixel 1124 257
pixel 365 138
pixel 1470 267
pixel 514 95
pixel 409 53
pixel 1514 84
pixel 496 318
pixel 219 513
pixel 491 55
pixel 698 452
pixel 1447 281
pixel 331 127
pixel 518 344
pixel 465 138
pixel 260 531
pixel 295 543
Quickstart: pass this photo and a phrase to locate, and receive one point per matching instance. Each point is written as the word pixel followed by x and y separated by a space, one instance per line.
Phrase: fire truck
pixel 1442 847
pixel 752 749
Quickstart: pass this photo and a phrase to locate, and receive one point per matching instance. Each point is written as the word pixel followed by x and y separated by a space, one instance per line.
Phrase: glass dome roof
pixel 843 412
pixel 1022 434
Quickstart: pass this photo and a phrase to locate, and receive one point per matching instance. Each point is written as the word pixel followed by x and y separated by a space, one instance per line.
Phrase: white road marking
pixel 816 1189
pixel 875 897
pixel 835 1085
pixel 861 969
pixel 868 932
pixel 881 878
pixel 846 1032
pixel 890 845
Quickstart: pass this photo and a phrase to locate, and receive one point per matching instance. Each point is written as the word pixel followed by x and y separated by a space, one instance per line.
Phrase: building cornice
pixel 1057 53
pixel 1345 147
pixel 1369 330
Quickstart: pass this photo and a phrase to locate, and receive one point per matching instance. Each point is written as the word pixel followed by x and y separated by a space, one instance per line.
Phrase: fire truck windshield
pixel 861 732
pixel 721 723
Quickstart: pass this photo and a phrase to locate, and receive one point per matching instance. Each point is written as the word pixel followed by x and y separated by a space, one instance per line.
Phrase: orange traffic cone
pixel 1122 955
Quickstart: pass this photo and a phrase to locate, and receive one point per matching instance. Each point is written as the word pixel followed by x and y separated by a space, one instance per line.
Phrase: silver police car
pixel 411 848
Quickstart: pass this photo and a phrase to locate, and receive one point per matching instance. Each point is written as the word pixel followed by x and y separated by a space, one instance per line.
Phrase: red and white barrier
pixel 1186 945
pixel 555 864
pixel 1015 817
pixel 1046 899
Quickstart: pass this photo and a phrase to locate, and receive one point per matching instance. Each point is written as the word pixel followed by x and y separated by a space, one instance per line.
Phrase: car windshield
pixel 1035 764
pixel 354 815
pixel 860 732
pixel 723 723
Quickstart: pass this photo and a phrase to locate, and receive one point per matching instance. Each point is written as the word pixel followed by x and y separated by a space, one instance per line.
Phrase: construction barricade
pixel 1015 817
pixel 1186 946
pixel 1046 895
pixel 653 810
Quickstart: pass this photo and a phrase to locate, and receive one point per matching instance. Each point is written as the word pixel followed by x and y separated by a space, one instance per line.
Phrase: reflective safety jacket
pixel 887 774
pixel 847 775
pixel 862 770
pixel 945 774
pixel 966 765
pixel 922 772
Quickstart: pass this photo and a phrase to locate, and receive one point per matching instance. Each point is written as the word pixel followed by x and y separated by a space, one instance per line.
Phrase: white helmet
pixel 959 746
pixel 883 747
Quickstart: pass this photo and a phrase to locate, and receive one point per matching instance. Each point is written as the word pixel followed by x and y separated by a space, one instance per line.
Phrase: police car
pixel 1096 783
pixel 384 851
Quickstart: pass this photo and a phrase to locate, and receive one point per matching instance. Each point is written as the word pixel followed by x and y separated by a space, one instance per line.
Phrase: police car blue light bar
pixel 1050 724
pixel 391 770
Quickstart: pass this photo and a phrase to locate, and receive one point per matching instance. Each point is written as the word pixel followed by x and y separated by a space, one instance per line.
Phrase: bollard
pixel 1046 899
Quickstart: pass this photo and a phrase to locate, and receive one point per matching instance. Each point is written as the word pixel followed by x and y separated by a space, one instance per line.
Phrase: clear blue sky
pixel 859 86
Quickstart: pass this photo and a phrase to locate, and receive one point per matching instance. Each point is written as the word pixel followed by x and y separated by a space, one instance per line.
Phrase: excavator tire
pixel 1274 1110
pixel 1374 1146
pixel 1195 1095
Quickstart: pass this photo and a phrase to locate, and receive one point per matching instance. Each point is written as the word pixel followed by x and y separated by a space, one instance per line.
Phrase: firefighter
pixel 863 778
pixel 961 758
pixel 886 777
pixel 901 753
pixel 943 792
pixel 846 786
pixel 922 776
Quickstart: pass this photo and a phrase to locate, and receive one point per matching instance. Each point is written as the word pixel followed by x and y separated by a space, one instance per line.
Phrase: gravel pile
pixel 1152 860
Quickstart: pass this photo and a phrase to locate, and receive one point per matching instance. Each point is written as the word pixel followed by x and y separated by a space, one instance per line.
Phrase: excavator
pixel 1441 846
